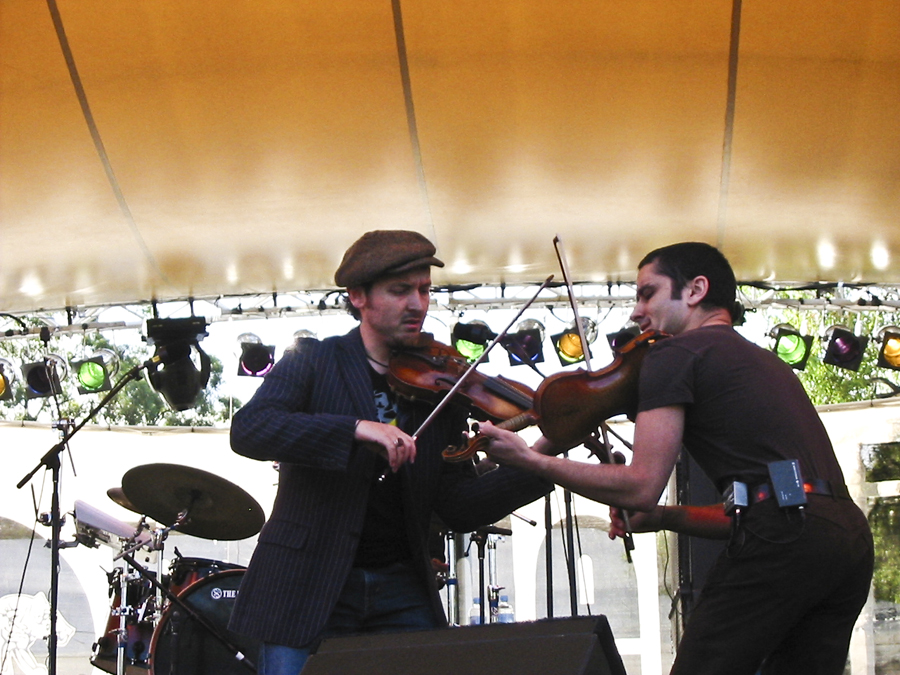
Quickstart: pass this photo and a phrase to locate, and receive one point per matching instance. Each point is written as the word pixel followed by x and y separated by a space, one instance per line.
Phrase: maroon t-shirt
pixel 744 407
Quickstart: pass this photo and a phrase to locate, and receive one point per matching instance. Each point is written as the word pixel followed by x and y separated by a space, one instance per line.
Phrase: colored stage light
pixel 42 378
pixel 92 375
pixel 568 345
pixel 256 358
pixel 7 375
pixel 471 339
pixel 845 349
pixel 790 346
pixel 526 345
pixel 889 354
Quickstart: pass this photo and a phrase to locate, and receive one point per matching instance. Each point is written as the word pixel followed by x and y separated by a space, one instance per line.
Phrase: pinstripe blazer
pixel 304 416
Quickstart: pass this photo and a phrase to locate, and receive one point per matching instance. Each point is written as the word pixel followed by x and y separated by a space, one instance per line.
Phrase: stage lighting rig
pixel 179 380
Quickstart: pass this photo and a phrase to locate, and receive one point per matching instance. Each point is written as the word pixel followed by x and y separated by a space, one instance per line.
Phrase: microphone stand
pixel 52 462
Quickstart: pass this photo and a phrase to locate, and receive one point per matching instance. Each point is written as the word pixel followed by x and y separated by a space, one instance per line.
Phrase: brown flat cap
pixel 382 253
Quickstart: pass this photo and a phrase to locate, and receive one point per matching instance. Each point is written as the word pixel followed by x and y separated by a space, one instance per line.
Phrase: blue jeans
pixel 387 600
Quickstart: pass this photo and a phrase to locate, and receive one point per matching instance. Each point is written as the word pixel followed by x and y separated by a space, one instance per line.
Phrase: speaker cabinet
pixel 575 646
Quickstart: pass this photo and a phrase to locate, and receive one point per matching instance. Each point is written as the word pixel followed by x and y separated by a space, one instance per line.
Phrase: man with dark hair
pixel 786 593
pixel 346 547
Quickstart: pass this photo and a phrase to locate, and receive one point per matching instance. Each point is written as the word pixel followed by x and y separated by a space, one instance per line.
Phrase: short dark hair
pixel 688 260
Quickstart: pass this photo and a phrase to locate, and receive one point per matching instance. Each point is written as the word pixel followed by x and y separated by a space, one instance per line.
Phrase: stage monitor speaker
pixel 575 646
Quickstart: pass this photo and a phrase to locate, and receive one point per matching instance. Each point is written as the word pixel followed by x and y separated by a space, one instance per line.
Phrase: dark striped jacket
pixel 303 416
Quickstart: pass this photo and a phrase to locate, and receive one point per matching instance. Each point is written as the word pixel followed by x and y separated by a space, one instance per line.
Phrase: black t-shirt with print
pixel 384 539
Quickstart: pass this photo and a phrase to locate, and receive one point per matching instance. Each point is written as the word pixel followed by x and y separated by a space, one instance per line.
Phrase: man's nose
pixel 418 301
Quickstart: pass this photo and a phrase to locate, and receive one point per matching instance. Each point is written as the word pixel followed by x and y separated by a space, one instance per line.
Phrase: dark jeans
pixel 392 599
pixel 786 595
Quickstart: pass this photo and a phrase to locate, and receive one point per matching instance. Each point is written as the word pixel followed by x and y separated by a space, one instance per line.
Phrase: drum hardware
pixel 176 600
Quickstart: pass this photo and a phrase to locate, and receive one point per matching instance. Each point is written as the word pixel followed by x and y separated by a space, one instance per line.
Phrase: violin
pixel 569 406
pixel 430 369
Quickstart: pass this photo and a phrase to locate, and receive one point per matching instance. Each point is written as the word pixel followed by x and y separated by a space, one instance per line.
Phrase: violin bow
pixel 444 401
pixel 564 267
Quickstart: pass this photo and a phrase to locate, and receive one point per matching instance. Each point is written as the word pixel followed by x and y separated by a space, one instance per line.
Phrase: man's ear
pixel 697 288
pixel 357 296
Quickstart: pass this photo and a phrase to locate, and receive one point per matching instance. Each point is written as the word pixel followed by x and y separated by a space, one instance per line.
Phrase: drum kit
pixel 174 623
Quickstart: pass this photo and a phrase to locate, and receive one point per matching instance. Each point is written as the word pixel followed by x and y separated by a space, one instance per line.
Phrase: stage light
pixel 256 359
pixel 471 339
pixel 889 354
pixel 568 345
pixel 7 375
pixel 526 345
pixel 92 374
pixel 845 349
pixel 790 346
pixel 42 378
pixel 622 337
pixel 177 350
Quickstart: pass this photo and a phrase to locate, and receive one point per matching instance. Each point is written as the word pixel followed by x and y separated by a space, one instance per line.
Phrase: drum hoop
pixel 171 607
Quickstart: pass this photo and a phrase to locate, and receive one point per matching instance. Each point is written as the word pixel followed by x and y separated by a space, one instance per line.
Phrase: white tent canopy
pixel 194 149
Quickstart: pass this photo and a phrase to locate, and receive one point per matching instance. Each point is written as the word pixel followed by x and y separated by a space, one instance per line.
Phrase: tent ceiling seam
pixel 95 135
pixel 733 53
pixel 411 113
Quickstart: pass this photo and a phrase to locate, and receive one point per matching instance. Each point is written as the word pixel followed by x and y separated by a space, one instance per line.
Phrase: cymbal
pixel 118 496
pixel 217 508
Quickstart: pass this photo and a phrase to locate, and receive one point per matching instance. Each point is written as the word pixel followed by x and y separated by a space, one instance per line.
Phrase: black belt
pixel 815 486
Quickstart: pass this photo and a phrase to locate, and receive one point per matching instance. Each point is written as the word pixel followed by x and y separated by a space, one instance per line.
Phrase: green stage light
pixel 790 346
pixel 471 339
pixel 91 375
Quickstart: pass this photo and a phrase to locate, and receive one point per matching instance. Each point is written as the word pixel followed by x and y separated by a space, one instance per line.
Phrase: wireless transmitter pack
pixel 787 483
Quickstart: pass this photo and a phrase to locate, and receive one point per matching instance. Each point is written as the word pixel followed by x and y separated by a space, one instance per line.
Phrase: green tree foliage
pixel 138 404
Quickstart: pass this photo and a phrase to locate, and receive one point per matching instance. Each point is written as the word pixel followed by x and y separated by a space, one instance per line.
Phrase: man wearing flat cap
pixel 345 549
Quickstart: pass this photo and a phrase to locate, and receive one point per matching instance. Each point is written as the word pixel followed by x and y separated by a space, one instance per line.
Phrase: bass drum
pixel 182 646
